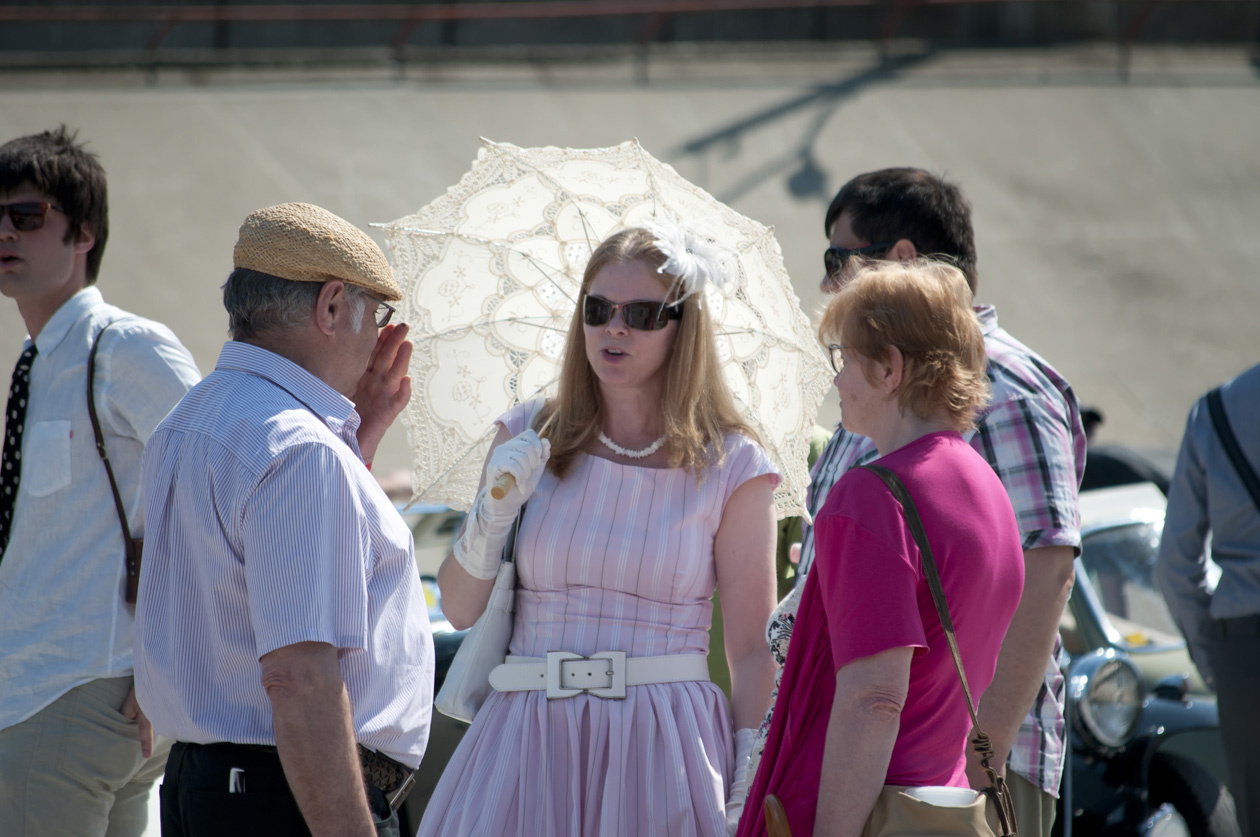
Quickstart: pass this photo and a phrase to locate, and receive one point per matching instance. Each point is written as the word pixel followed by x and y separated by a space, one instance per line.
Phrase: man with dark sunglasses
pixel 76 754
pixel 1031 435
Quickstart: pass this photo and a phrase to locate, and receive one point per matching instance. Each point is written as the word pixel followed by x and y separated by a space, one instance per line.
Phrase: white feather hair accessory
pixel 690 257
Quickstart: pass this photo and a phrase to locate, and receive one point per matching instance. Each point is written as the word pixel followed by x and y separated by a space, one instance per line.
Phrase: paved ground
pixel 1116 220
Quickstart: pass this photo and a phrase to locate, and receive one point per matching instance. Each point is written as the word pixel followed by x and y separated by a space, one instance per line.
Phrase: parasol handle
pixel 502 486
pixel 505 482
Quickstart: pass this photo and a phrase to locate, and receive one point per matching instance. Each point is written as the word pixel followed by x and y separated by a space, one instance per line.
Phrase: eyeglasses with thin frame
pixel 641 315
pixel 384 313
pixel 835 258
pixel 837 357
pixel 28 216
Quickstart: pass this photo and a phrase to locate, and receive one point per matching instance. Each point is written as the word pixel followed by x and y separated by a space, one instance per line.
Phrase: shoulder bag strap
pixel 132 558
pixel 981 743
pixel 1220 420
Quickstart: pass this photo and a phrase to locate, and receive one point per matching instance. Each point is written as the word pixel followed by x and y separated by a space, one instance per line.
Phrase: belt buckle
pixel 617 664
pixel 617 659
pixel 397 798
pixel 554 689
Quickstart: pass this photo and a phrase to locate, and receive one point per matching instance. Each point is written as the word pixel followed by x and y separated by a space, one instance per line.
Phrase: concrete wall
pixel 1115 221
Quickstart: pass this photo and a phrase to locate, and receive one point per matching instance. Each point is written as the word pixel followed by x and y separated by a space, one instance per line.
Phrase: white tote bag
pixel 467 683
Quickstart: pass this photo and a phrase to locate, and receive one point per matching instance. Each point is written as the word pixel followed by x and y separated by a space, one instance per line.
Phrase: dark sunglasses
pixel 27 216
pixel 641 316
pixel 835 258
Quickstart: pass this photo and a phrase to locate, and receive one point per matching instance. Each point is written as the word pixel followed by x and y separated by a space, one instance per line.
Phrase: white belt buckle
pixel 554 689
pixel 617 674
pixel 616 659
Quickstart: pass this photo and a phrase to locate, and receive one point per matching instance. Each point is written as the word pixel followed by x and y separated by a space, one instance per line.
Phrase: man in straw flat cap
pixel 282 637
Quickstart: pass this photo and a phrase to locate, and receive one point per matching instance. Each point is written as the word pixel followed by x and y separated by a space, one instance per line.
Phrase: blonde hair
pixel 698 408
pixel 922 307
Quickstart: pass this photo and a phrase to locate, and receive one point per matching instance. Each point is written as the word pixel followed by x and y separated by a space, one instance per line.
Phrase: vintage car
pixel 1145 750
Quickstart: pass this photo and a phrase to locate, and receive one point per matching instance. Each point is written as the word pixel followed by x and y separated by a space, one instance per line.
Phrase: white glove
pixel 744 739
pixel 524 457
pixel 480 549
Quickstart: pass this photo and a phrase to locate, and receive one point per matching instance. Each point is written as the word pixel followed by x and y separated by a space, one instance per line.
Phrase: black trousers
pixel 1235 656
pixel 196 801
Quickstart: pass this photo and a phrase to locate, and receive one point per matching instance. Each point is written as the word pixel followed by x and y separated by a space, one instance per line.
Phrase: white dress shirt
pixel 63 621
pixel 266 529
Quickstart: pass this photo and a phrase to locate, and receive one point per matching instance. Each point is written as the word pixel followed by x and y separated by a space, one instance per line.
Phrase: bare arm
pixel 744 561
pixel 315 737
pixel 464 596
pixel 865 718
pixel 1021 665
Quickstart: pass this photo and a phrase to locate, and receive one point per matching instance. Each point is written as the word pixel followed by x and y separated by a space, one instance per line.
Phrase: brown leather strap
pixel 997 791
pixel 130 550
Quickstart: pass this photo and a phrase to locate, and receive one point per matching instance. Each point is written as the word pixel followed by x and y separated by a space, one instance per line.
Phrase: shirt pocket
pixel 46 459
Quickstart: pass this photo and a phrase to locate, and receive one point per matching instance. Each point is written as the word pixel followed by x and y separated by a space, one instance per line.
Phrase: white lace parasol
pixel 490 274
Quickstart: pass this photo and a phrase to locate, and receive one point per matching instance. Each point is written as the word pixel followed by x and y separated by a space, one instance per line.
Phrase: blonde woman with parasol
pixel 645 489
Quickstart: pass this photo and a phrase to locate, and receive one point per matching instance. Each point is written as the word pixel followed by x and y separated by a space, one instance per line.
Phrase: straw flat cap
pixel 306 243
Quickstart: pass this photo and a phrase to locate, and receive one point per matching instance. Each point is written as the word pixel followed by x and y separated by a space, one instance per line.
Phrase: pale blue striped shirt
pixel 265 529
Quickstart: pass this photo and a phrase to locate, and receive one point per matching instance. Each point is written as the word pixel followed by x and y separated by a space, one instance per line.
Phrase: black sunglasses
pixel 27 216
pixel 641 316
pixel 835 258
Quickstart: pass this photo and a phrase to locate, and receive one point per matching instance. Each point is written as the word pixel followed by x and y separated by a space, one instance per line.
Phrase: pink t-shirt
pixel 867 594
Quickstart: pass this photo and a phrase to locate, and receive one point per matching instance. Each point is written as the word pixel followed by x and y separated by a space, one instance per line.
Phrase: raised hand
pixel 384 389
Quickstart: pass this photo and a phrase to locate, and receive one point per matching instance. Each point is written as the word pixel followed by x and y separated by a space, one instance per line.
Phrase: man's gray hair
pixel 258 302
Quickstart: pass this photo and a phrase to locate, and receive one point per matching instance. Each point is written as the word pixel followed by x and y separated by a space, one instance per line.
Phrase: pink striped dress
pixel 613 558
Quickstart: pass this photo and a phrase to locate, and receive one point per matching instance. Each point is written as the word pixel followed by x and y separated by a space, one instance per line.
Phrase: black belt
pixel 392 778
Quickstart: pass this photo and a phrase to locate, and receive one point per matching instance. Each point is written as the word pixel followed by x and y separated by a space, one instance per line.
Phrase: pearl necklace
pixel 626 452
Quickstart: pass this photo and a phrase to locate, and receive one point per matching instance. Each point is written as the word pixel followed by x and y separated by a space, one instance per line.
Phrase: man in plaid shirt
pixel 1032 436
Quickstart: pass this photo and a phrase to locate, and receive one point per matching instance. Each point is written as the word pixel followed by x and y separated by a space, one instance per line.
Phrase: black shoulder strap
pixel 100 449
pixel 983 746
pixel 1216 408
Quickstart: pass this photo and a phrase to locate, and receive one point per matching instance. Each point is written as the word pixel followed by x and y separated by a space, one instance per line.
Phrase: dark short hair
pixel 892 204
pixel 55 164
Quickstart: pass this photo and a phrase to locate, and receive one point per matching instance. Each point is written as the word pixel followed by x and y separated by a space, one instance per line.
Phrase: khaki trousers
pixel 75 768
pixel 1034 808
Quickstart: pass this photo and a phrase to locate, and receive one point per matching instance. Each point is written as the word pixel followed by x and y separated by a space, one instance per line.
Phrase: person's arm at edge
pixel 464 596
pixel 743 551
pixel 1181 569
pixel 865 719
pixel 1049 573
pixel 315 738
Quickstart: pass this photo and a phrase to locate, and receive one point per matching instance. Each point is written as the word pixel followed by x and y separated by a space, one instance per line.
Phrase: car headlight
pixel 1106 692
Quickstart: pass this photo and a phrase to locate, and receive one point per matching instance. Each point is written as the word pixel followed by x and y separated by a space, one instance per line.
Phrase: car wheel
pixel 1202 801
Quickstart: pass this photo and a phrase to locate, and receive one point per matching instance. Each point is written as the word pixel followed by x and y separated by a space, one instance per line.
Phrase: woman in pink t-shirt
pixel 870 696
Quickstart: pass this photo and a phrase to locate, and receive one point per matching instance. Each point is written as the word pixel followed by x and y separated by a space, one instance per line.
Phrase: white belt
pixel 606 674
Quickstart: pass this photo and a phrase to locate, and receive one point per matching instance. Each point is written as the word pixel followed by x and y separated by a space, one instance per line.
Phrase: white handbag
pixel 467 683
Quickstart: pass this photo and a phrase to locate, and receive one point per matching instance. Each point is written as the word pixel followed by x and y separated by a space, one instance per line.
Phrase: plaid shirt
pixel 1032 436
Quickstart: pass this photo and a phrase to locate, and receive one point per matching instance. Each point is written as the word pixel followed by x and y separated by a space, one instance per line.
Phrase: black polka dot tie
pixel 14 423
